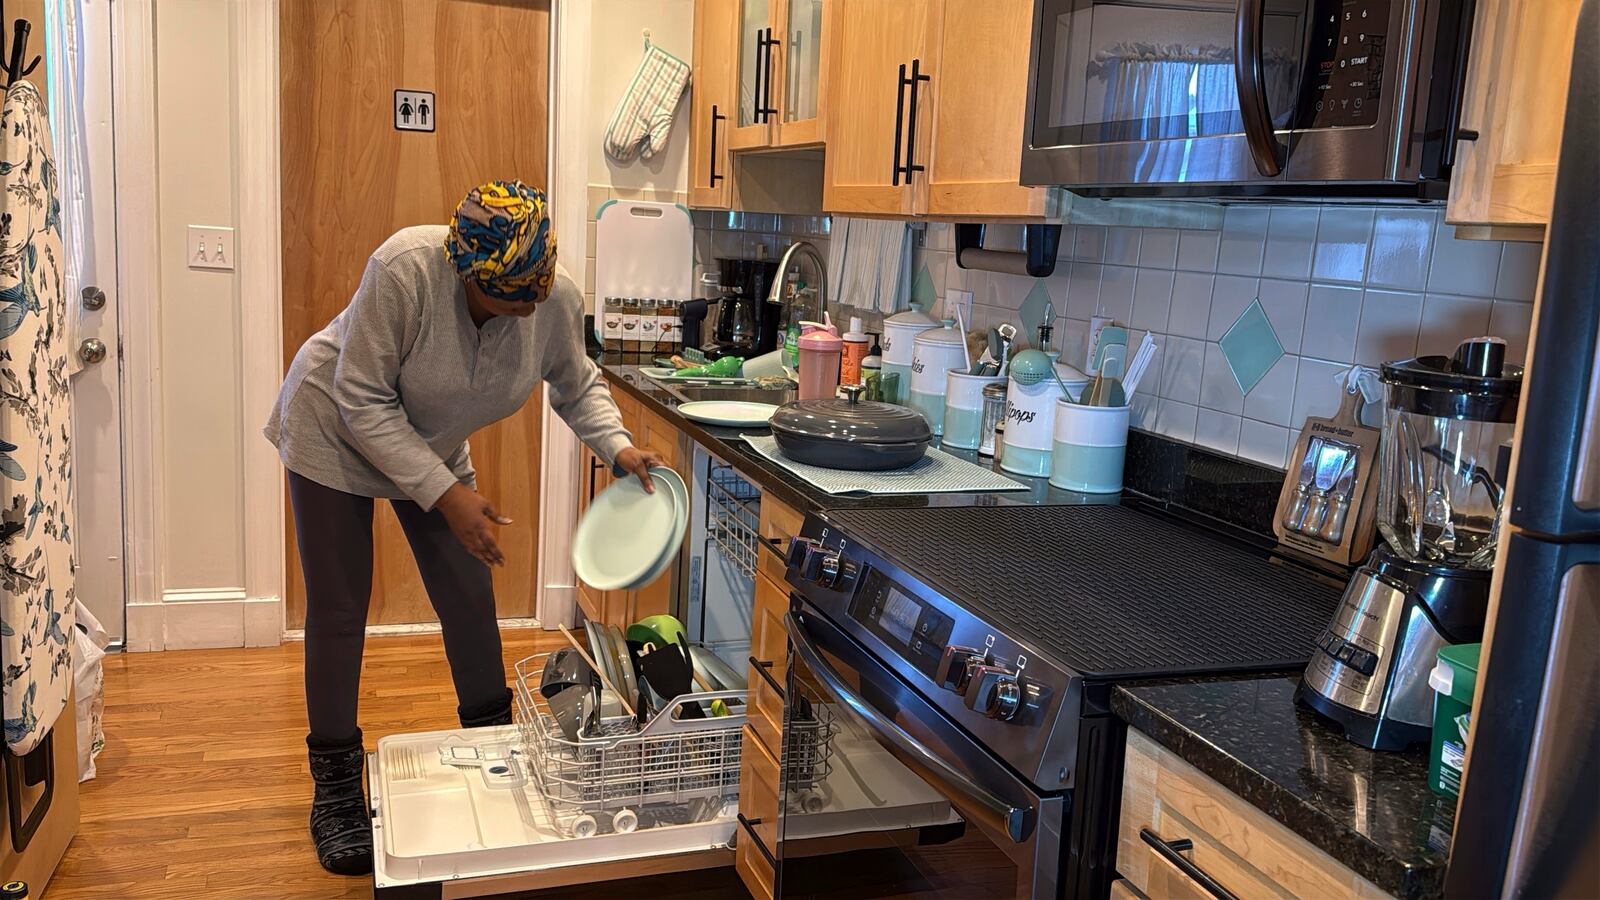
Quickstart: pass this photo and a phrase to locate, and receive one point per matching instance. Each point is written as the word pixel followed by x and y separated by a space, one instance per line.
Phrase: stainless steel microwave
pixel 1239 98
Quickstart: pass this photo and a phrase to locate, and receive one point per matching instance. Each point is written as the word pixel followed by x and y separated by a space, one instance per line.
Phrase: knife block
pixel 1325 517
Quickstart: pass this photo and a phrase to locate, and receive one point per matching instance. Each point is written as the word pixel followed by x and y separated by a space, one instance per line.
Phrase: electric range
pixel 979 645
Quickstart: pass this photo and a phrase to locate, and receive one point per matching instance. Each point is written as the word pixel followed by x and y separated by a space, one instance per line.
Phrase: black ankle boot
pixel 497 712
pixel 341 826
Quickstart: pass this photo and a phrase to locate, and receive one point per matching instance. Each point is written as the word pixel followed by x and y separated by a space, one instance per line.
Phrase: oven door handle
pixel 1249 77
pixel 1018 820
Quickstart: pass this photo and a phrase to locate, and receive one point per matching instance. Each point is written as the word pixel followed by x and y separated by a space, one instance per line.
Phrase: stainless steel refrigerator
pixel 1529 820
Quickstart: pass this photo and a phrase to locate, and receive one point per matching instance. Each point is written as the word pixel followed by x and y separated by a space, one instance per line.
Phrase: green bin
pixel 1454 681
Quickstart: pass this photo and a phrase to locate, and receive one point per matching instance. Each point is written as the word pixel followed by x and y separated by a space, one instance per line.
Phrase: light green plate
pixel 728 413
pixel 626 533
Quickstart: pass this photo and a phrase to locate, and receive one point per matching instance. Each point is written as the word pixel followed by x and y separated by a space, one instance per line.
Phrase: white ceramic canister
pixel 1090 445
pixel 899 347
pixel 963 408
pixel 935 352
pixel 1031 419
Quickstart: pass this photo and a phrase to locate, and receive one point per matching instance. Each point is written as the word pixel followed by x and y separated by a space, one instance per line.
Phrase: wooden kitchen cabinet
pixel 943 137
pixel 1239 846
pixel 759 795
pixel 1503 182
pixel 712 95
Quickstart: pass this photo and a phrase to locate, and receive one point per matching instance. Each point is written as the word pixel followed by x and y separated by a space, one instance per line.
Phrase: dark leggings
pixel 334 530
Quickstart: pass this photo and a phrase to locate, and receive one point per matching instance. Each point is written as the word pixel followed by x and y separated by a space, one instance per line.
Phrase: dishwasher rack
pixel 733 517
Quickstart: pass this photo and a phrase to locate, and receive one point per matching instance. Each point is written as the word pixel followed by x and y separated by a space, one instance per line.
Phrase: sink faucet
pixel 809 251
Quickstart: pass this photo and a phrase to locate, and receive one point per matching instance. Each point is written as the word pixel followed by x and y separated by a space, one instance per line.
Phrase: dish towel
pixel 870 262
pixel 643 119
pixel 37 595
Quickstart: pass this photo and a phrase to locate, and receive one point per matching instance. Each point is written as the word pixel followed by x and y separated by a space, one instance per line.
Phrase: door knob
pixel 93 298
pixel 92 350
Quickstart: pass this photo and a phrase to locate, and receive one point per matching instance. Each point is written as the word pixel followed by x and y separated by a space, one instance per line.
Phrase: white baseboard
pixel 201 619
pixel 299 634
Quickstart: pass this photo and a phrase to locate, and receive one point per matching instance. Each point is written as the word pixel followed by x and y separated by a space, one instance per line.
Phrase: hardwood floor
pixel 203 789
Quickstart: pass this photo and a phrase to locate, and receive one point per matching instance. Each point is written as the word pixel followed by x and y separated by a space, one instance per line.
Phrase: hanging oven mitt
pixel 644 117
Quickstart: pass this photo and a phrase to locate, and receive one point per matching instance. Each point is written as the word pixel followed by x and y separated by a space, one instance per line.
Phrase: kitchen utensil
pixel 623 659
pixel 1439 510
pixel 1106 388
pixel 624 533
pixel 851 433
pixel 659 630
pixel 966 351
pixel 1332 529
pixel 936 352
pixel 563 669
pixel 1140 364
pixel 1331 460
pixel 669 672
pixel 718 674
pixel 1031 412
pixel 728 413
pixel 1107 335
pixel 1295 518
pixel 609 685
pixel 573 707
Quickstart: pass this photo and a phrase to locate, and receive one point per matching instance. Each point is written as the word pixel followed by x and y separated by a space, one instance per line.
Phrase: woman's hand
pixel 470 516
pixel 640 462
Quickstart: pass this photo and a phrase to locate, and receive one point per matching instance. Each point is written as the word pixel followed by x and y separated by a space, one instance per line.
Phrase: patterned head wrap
pixel 501 239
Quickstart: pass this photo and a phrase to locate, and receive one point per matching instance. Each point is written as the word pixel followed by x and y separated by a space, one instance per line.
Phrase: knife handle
pixel 1297 508
pixel 1316 511
pixel 1333 528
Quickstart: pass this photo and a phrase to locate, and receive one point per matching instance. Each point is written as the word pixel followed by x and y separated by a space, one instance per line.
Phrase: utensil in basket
pixel 627 702
pixel 670 673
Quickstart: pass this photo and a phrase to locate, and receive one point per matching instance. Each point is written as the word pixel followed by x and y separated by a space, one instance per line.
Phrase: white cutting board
pixel 643 249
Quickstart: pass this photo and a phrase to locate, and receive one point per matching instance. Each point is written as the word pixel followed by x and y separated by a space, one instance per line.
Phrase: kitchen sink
pixel 695 393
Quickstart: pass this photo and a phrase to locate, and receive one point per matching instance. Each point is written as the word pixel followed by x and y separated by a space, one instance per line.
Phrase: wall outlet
pixel 958 300
pixel 210 247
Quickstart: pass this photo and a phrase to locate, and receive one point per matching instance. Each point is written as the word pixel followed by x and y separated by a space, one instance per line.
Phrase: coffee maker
pixel 1444 451
pixel 745 324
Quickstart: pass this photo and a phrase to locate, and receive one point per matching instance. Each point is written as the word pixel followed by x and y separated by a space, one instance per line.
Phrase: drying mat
pixel 1106 590
pixel 937 472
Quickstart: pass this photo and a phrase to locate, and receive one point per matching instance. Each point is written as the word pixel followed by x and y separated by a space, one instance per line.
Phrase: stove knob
pixel 828 570
pixel 994 691
pixel 955 667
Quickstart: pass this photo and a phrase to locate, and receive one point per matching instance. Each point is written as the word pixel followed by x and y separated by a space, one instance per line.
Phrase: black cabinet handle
pixel 1248 78
pixel 761 68
pixel 899 119
pixel 750 826
pixel 763 668
pixel 917 76
pixel 1172 852
pixel 715 118
pixel 767 110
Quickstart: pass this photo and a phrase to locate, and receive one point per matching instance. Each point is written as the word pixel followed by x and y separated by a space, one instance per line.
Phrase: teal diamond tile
pixel 922 290
pixel 1251 347
pixel 1031 313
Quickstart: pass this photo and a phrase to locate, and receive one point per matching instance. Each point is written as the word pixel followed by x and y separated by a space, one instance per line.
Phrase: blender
pixel 1447 428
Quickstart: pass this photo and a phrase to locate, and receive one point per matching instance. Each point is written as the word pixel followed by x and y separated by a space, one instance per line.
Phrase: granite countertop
pixel 800 495
pixel 1371 811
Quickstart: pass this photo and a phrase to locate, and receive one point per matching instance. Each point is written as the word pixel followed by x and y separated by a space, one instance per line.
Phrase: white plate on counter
pixel 728 413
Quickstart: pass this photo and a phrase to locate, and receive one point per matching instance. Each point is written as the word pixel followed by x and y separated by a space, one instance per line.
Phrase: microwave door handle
pixel 1250 79
pixel 1017 819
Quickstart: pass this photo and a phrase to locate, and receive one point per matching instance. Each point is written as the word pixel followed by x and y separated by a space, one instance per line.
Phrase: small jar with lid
pixel 994 419
pixel 649 327
pixel 630 325
pixel 611 324
pixel 670 313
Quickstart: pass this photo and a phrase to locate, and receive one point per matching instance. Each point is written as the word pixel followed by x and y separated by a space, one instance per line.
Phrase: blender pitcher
pixel 1448 422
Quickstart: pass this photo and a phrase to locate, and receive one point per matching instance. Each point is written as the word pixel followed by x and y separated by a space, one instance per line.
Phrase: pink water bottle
pixel 821 349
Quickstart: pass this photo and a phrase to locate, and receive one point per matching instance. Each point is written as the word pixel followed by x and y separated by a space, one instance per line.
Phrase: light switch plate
pixel 210 247
pixel 962 300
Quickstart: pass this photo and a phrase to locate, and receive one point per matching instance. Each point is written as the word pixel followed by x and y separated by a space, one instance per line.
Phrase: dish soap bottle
pixel 792 317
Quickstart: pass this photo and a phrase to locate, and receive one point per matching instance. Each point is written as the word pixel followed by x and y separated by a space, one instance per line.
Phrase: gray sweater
pixel 380 402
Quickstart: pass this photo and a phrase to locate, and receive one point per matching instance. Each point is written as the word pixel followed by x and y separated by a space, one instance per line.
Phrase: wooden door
pixel 1516 100
pixel 871 40
pixel 979 82
pixel 750 126
pixel 350 180
pixel 800 72
pixel 711 103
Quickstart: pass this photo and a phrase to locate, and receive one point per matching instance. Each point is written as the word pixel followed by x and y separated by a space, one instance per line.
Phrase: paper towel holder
pixel 1037 258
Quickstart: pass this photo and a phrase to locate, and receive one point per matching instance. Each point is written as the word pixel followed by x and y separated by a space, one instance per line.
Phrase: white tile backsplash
pixel 1339 284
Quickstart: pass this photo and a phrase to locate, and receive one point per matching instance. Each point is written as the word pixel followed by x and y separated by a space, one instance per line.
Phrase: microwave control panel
pixel 1343 84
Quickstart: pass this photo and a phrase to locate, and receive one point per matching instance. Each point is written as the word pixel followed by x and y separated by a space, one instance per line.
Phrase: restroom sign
pixel 414 110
